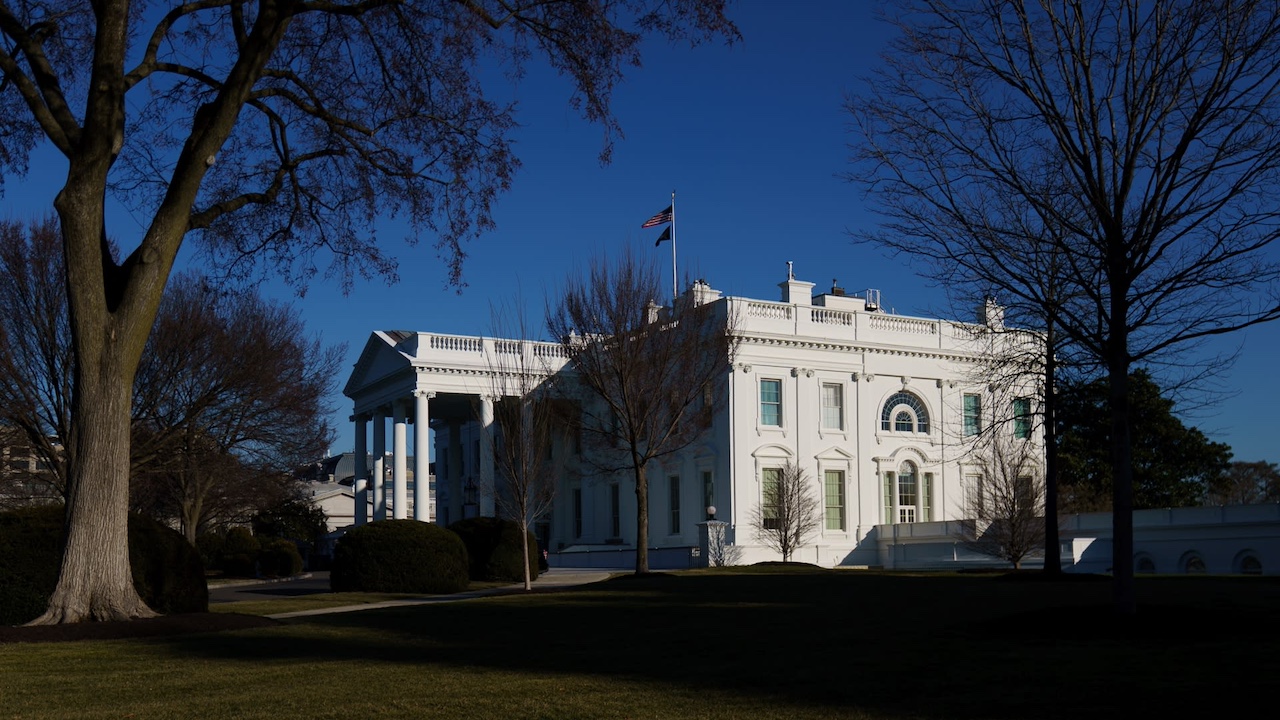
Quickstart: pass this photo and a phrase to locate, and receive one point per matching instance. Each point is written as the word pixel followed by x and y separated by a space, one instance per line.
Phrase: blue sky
pixel 751 137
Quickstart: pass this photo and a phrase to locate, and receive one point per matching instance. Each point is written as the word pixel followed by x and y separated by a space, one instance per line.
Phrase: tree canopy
pixel 1173 465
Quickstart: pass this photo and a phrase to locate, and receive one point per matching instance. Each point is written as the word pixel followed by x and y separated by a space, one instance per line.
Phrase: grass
pixel 320 601
pixel 781 643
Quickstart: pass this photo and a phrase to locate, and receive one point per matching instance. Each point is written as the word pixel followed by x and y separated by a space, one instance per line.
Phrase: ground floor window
pixel 908 495
pixel 769 479
pixel 673 492
pixel 833 484
pixel 577 513
pixel 615 510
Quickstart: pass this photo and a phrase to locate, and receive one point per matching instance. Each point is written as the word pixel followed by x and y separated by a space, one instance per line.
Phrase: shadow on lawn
pixel 943 647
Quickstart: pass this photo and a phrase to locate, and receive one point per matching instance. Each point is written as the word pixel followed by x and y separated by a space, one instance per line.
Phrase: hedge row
pixel 167 571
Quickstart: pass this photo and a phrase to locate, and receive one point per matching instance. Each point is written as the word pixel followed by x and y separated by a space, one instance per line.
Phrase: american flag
pixel 662 217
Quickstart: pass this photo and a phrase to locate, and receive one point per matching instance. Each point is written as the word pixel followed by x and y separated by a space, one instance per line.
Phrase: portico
pixel 430 380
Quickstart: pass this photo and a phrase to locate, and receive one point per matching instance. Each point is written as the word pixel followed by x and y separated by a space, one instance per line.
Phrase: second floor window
pixel 1022 418
pixel 832 407
pixel 972 415
pixel 771 402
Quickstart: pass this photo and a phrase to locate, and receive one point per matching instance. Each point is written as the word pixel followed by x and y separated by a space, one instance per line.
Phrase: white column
pixel 361 481
pixel 455 471
pixel 488 489
pixel 421 456
pixel 399 462
pixel 379 473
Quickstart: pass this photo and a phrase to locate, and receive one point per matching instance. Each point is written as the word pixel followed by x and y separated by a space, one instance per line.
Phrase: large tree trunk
pixel 642 521
pixel 96 582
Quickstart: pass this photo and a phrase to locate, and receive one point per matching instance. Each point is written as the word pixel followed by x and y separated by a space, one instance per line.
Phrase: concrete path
pixel 312 583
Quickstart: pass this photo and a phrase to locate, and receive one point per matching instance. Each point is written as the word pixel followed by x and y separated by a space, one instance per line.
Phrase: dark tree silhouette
pixel 1139 142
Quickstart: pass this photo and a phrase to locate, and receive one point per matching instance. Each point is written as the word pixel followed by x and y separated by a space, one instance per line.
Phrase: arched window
pixel 904 412
pixel 908 495
pixel 1193 564
pixel 1247 563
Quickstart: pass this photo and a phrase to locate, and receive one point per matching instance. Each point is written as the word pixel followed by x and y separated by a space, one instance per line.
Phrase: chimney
pixel 795 291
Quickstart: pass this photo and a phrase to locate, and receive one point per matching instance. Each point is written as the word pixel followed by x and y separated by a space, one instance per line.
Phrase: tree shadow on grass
pixel 934 647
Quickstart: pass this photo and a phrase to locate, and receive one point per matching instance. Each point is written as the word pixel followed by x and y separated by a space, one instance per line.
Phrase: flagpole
pixel 675 289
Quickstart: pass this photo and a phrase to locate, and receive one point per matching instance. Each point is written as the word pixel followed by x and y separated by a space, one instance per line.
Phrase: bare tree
pixel 231 389
pixel 528 425
pixel 35 347
pixel 1138 140
pixel 277 131
pixel 1246 483
pixel 789 511
pixel 648 378
pixel 1004 505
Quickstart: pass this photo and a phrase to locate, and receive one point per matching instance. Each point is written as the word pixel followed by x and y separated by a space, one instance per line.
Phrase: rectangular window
pixel 972 415
pixel 708 490
pixel 1026 496
pixel 1022 418
pixel 907 497
pixel 926 498
pixel 833 481
pixel 615 510
pixel 771 402
pixel 888 498
pixel 673 493
pixel 832 406
pixel 577 513
pixel 975 501
pixel 769 501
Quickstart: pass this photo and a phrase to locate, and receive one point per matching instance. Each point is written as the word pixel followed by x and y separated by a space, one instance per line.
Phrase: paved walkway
pixel 312 583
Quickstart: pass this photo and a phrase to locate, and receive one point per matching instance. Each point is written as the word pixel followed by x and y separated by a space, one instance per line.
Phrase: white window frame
pixel 771 403
pixel 832 416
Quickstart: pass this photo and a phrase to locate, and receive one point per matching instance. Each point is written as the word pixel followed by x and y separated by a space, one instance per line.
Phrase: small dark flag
pixel 662 217
pixel 665 236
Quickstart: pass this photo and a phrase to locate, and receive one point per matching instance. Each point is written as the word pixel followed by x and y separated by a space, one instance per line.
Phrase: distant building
pixel 25 478
pixel 328 484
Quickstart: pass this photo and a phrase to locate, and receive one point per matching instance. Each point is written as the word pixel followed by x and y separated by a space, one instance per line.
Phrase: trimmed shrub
pixel 494 547
pixel 279 558
pixel 167 571
pixel 240 553
pixel 399 556
pixel 209 545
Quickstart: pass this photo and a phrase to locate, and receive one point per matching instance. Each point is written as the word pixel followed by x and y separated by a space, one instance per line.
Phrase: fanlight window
pixel 904 412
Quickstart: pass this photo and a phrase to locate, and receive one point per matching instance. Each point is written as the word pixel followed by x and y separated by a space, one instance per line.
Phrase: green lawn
pixel 719 644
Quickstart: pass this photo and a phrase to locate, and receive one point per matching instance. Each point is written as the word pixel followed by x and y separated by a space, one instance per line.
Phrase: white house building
pixel 874 407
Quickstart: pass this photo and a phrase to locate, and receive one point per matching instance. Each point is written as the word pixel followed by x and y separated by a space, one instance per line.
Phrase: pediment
pixel 384 354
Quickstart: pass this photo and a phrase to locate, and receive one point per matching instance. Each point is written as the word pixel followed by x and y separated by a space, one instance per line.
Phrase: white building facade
pixel 875 408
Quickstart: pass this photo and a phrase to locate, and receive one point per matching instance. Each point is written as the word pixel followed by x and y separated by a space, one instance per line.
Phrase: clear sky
pixel 752 138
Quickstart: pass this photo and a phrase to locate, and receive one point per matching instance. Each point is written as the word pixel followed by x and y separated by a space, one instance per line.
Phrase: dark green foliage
pixel 293 519
pixel 209 545
pixel 240 553
pixel 495 550
pixel 279 558
pixel 1173 465
pixel 297 521
pixel 167 571
pixel 399 556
